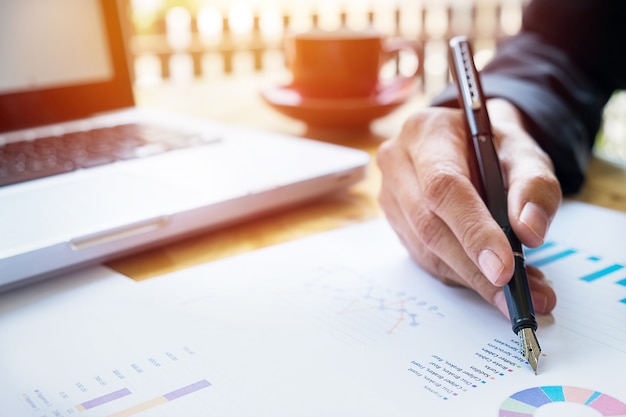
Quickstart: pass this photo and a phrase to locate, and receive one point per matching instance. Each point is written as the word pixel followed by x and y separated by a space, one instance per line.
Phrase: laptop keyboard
pixel 52 155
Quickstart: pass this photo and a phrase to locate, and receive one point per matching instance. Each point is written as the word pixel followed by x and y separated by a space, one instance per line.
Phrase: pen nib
pixel 530 347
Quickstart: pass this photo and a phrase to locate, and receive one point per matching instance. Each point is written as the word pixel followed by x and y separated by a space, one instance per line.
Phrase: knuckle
pixel 428 227
pixel 384 154
pixel 543 188
pixel 438 186
pixel 472 234
pixel 547 183
pixel 414 122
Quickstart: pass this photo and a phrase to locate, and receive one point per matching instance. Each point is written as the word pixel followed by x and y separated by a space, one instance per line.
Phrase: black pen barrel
pixel 491 182
pixel 517 292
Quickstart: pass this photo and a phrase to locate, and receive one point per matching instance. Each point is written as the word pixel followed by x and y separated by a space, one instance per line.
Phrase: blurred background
pixel 178 43
pixel 178 40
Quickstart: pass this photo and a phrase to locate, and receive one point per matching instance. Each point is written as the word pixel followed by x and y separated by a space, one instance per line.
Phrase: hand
pixel 430 200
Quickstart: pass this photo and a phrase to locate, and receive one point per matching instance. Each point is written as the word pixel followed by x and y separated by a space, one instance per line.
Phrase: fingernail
pixel 491 265
pixel 500 302
pixel 535 218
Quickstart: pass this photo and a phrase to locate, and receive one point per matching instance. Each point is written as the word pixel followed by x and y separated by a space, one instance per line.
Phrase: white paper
pixel 342 323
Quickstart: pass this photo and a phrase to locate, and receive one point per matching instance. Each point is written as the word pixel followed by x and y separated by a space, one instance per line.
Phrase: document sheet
pixel 342 323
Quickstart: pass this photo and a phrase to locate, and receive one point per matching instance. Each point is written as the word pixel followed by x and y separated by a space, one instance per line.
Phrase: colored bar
pixel 103 400
pixel 622 282
pixel 552 258
pixel 187 390
pixel 155 402
pixel 599 274
pixel 530 251
pixel 139 408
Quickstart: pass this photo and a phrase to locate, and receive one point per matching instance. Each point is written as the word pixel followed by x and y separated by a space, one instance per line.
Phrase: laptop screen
pixel 61 60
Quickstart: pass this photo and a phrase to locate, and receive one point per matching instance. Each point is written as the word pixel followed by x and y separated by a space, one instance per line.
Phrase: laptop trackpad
pixel 83 204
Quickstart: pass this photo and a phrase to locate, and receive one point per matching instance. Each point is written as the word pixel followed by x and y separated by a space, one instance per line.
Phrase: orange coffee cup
pixel 342 63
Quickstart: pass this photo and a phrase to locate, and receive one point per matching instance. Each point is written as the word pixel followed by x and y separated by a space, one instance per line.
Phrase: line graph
pixel 359 301
pixel 398 306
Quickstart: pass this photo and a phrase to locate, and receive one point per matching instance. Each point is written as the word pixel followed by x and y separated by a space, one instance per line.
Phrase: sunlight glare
pixel 240 18
pixel 271 23
pixel 210 25
pixel 178 27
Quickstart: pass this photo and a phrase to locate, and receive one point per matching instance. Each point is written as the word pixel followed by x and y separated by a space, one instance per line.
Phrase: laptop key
pixel 52 155
pixel 22 169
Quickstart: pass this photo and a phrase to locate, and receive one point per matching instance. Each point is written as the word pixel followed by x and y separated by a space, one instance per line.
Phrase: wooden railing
pixel 212 42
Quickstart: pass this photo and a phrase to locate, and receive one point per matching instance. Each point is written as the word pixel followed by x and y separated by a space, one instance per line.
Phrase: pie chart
pixel 525 403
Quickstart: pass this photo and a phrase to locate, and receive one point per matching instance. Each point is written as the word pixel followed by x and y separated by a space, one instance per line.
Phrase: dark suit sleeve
pixel 560 71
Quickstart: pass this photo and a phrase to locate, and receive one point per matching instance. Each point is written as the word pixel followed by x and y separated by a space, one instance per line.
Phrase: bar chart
pixel 128 389
pixel 155 402
pixel 279 332
pixel 593 268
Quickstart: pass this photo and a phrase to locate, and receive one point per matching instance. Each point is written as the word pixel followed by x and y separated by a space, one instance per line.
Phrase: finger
pixel 444 180
pixel 427 237
pixel 534 193
pixel 398 182
pixel 462 272
pixel 430 262
pixel 534 197
pixel 401 200
pixel 541 293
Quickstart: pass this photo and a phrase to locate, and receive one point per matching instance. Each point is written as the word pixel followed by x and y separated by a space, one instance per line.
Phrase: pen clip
pixel 464 63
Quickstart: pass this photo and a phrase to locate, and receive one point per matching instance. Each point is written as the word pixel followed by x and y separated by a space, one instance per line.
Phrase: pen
pixel 492 189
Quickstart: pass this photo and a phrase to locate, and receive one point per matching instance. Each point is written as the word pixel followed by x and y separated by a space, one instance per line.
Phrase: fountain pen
pixel 492 189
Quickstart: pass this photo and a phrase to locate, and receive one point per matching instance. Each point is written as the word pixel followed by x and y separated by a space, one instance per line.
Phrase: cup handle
pixel 391 48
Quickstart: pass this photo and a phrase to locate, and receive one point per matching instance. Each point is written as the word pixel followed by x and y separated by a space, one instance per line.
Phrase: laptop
pixel 64 84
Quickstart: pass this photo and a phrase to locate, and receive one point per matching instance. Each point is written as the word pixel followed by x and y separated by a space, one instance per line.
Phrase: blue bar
pixel 599 274
pixel 622 282
pixel 546 245
pixel 552 258
pixel 623 300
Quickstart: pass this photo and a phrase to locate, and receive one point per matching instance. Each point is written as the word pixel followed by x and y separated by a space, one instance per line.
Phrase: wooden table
pixel 236 100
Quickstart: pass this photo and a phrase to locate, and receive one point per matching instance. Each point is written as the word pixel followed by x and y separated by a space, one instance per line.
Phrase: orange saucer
pixel 339 112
